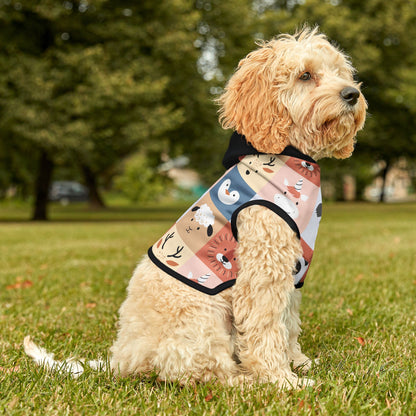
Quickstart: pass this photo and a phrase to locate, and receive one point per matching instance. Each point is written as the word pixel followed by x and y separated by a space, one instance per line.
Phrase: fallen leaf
pixel 350 312
pixel 301 404
pixel 360 340
pixel 209 396
pixel 20 285
pixel 359 277
pixel 91 305
pixel 10 287
pixel 310 314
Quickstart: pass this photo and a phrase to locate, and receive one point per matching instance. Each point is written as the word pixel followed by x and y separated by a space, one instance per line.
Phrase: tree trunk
pixel 95 199
pixel 384 177
pixel 42 185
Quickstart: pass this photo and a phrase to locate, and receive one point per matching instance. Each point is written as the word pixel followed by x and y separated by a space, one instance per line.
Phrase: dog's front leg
pixel 300 360
pixel 267 252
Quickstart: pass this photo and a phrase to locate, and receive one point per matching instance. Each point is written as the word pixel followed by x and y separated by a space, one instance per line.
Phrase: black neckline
pixel 239 146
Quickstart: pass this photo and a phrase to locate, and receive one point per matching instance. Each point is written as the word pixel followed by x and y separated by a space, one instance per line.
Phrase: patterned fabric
pixel 199 249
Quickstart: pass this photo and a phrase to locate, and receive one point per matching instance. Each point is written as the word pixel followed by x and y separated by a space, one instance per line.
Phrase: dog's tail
pixel 71 366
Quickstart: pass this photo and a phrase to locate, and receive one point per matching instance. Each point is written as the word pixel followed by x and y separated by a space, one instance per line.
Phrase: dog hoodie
pixel 199 249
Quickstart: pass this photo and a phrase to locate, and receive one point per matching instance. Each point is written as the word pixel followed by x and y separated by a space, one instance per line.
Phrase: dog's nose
pixel 350 95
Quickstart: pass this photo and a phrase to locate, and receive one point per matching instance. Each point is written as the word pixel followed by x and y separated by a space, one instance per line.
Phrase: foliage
pixel 83 89
pixel 140 181
pixel 85 83
pixel 63 284
pixel 334 172
pixel 378 35
pixel 91 83
pixel 223 36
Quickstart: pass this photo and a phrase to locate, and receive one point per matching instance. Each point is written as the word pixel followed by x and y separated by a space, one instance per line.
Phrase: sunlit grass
pixel 62 282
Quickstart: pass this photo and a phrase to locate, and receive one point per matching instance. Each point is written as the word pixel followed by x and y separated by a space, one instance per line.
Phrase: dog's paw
pixel 304 364
pixel 306 382
pixel 297 383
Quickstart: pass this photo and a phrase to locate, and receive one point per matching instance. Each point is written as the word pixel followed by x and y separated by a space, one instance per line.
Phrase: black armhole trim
pixel 277 210
pixel 187 281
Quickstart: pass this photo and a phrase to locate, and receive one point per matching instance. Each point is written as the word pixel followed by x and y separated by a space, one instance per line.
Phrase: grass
pixel 62 282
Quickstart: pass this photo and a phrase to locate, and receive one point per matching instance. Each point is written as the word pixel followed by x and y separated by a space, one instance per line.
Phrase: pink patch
pixel 219 254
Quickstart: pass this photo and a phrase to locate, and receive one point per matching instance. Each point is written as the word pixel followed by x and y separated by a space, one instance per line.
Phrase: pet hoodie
pixel 199 249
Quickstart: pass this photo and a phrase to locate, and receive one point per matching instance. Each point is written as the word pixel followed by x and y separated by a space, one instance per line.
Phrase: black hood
pixel 239 146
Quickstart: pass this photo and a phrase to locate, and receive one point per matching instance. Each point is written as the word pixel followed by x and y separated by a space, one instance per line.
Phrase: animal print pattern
pixel 199 248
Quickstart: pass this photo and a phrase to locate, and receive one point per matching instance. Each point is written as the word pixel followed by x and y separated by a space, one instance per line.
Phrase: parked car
pixel 68 191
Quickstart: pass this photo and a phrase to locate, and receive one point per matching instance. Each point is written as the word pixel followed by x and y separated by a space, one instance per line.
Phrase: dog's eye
pixel 306 76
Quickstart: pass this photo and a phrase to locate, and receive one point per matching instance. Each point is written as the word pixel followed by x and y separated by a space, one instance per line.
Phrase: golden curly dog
pixel 294 91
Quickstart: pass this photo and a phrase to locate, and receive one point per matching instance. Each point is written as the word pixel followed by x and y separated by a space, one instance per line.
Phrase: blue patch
pixel 230 192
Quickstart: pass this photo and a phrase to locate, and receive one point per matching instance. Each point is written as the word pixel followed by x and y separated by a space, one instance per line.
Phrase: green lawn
pixel 62 282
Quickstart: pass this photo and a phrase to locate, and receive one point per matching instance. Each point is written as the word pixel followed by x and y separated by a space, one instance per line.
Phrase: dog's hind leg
pixel 267 252
pixel 177 331
pixel 199 347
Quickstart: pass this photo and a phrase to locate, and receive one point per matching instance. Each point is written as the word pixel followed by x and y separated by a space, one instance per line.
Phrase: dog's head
pixel 295 90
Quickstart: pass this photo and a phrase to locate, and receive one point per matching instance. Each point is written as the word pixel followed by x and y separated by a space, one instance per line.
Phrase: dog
pixel 228 310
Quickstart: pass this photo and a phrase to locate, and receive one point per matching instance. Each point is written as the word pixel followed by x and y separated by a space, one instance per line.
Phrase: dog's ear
pixel 251 103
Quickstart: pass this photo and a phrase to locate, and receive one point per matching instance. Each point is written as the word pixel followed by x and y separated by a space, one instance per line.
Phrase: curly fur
pixel 266 102
pixel 250 331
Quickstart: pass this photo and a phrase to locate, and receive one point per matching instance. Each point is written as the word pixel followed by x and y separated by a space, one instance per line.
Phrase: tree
pixel 90 83
pixel 80 83
pixel 140 181
pixel 223 35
